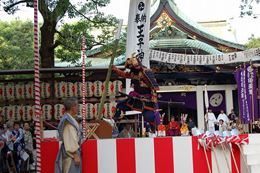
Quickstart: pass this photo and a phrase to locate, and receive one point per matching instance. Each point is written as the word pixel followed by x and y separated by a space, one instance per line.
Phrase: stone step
pixel 253 159
pixel 255 168
pixel 251 149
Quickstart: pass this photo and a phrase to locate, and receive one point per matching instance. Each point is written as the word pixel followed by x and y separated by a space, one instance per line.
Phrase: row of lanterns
pixel 11 91
pixel 18 113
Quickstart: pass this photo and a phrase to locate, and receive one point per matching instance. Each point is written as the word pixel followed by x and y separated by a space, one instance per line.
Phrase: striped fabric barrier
pixel 155 155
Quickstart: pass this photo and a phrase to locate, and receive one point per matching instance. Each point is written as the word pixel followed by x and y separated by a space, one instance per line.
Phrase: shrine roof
pixel 186 25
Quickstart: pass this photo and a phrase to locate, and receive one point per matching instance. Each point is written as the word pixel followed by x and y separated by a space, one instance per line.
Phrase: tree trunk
pixel 47 44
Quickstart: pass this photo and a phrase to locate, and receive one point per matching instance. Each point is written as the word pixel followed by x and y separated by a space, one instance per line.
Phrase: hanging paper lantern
pixel 78 89
pixel 109 92
pixel 96 110
pixel 89 91
pixel 10 113
pixel 89 111
pixel 18 113
pixel 45 90
pixel 70 89
pixel 98 88
pixel 9 91
pixel 111 89
pixel 1 91
pixel 5 112
pixel 47 112
pixel 80 110
pixel 19 91
pixel 110 109
pixel 59 111
pixel 60 89
pixel 1 111
pixel 118 87
pixel 28 90
pixel 27 113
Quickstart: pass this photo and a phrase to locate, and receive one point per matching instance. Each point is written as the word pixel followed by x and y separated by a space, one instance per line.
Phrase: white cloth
pixel 223 117
pixel 211 119
pixel 71 138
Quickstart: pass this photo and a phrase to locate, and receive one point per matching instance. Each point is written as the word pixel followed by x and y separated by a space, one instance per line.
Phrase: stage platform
pixel 159 155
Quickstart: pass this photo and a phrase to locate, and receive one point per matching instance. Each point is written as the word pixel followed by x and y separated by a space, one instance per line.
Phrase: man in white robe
pixel 211 120
pixel 224 117
pixel 68 159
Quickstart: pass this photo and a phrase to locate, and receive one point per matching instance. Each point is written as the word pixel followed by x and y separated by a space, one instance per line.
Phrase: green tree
pixel 253 43
pixel 16 45
pixel 52 12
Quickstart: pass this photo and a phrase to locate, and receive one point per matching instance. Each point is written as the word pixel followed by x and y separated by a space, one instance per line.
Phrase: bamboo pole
pixel 109 71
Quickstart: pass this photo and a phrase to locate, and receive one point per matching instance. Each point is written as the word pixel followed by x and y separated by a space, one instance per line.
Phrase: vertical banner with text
pixel 247 93
pixel 138 32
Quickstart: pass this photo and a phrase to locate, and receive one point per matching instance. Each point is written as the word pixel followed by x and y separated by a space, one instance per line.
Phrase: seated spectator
pixel 127 132
pixel 232 116
pixel 256 127
pixel 28 142
pixel 184 129
pixel 18 143
pixel 173 128
pixel 111 121
pixel 222 126
pixel 191 124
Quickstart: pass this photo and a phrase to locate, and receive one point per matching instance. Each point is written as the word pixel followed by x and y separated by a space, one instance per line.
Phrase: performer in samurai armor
pixel 68 159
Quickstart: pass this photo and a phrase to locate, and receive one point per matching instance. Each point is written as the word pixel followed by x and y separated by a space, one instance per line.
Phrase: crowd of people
pixel 16 147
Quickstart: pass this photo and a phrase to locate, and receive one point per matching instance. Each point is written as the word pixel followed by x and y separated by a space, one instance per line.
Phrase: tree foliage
pixel 54 11
pixel 253 43
pixel 16 45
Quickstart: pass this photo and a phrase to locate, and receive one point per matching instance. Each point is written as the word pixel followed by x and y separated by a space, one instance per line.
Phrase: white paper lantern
pixel 80 110
pixel 27 113
pixel 47 112
pixel 18 113
pixel 70 89
pixel 96 107
pixel 78 89
pixel 118 87
pixel 109 91
pixel 59 111
pixel 9 91
pixel 60 89
pixel 2 91
pixel 89 89
pixel 98 88
pixel 29 90
pixel 89 111
pixel 10 113
pixel 19 91
pixel 2 112
pixel 45 90
pixel 109 109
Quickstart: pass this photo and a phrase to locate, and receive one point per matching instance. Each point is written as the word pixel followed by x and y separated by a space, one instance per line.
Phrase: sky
pixel 197 10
